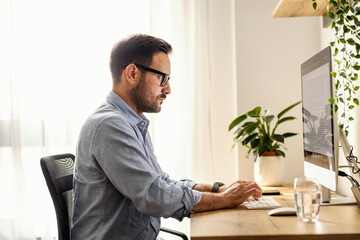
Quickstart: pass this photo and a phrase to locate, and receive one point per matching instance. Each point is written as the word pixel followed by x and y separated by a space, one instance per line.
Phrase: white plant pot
pixel 269 171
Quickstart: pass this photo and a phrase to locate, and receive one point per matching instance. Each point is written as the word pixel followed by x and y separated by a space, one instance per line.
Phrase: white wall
pixel 269 54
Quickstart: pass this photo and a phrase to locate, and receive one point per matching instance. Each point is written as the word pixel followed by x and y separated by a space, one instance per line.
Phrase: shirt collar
pixel 140 121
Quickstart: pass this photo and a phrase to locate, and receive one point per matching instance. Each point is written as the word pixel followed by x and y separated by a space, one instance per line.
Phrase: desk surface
pixel 335 222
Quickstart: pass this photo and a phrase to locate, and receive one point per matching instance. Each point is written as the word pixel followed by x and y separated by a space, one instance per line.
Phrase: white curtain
pixel 54 73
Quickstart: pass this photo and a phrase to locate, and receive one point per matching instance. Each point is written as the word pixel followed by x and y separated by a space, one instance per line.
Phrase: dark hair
pixel 138 48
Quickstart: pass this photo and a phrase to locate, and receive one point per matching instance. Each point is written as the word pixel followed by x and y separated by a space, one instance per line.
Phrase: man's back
pixel 101 211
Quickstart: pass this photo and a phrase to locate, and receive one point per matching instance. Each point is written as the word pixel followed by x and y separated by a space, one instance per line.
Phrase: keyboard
pixel 262 203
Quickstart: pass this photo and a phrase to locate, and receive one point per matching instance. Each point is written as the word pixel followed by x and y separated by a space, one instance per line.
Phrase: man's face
pixel 148 95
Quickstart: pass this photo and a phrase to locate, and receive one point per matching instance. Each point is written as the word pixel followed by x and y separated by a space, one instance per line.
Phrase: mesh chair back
pixel 58 173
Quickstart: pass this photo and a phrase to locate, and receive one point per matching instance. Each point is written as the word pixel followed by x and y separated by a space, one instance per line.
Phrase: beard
pixel 142 98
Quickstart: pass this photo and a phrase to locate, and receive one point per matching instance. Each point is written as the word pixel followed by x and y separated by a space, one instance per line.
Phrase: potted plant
pixel 261 139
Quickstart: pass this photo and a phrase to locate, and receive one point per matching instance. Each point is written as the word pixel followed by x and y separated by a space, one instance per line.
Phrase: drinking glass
pixel 307 199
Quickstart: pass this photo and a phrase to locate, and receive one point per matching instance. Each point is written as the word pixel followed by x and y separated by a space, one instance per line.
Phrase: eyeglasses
pixel 165 77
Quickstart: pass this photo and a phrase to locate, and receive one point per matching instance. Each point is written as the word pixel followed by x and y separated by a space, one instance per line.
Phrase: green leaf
pixel 351 106
pixel 338 12
pixel 287 109
pixel 254 143
pixel 314 5
pixel 267 140
pixel 331 100
pixel 351 119
pixel 336 51
pixel 262 150
pixel 356 101
pixel 289 134
pixel 349 18
pixel 281 153
pixel 251 127
pixel 286 119
pixel 255 155
pixel 249 138
pixel 347 8
pixel 269 118
pixel 237 121
pixel 239 134
pixel 333 74
pixel 357 22
pixel 248 129
pixel 332 26
pixel 351 41
pixel 278 138
pixel 357 68
pixel 255 112
pixel 246 124
pixel 330 15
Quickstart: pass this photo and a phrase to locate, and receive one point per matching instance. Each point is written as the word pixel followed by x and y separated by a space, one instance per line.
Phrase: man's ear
pixel 132 74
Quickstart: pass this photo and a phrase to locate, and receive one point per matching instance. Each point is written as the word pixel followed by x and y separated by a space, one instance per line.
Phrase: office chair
pixel 58 173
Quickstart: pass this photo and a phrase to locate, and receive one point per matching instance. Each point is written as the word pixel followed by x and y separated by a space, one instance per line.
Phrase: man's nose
pixel 166 89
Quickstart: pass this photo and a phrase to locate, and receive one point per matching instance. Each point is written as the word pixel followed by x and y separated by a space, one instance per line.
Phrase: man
pixel 120 190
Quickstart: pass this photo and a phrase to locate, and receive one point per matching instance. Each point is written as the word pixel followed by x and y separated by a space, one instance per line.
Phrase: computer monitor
pixel 321 132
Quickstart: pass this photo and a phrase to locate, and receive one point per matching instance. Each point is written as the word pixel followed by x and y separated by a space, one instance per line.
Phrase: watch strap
pixel 216 186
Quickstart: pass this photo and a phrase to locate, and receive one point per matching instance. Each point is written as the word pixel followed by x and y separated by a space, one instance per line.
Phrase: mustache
pixel 162 96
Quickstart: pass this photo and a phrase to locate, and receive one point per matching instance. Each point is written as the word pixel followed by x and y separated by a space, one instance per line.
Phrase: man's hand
pixel 240 191
pixel 228 196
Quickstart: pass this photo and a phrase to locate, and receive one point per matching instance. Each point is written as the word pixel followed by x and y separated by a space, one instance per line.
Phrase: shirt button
pixel 142 123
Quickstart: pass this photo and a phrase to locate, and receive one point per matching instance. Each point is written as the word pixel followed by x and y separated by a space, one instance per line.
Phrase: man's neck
pixel 127 100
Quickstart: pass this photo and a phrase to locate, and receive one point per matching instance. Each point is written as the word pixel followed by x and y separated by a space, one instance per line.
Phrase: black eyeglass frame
pixel 165 77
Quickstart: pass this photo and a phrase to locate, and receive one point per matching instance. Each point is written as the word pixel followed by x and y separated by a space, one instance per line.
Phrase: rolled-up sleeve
pixel 184 182
pixel 130 167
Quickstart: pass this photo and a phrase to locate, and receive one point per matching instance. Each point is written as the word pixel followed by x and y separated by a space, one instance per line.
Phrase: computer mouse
pixel 282 211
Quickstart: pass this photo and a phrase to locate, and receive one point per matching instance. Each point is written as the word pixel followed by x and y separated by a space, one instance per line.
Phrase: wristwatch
pixel 216 186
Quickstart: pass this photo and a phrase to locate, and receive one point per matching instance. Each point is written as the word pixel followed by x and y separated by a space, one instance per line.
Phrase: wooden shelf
pixel 299 8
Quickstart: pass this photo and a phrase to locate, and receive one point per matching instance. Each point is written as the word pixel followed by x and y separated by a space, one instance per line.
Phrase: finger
pixel 251 184
pixel 253 192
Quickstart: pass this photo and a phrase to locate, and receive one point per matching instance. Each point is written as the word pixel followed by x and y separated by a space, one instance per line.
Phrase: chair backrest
pixel 58 173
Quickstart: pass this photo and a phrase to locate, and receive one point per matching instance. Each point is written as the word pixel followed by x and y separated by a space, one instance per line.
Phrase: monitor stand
pixel 328 199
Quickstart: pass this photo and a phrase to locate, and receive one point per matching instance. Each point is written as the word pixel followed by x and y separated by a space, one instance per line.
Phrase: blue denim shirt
pixel 120 190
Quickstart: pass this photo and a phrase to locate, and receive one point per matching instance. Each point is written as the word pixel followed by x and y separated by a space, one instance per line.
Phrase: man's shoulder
pixel 108 115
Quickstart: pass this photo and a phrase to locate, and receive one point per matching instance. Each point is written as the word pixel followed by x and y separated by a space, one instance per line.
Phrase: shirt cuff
pixel 189 183
pixel 190 199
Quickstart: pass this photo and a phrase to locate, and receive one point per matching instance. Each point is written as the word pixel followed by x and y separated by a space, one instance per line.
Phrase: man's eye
pixel 160 77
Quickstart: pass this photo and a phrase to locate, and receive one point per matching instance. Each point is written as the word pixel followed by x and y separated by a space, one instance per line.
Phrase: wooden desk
pixel 335 222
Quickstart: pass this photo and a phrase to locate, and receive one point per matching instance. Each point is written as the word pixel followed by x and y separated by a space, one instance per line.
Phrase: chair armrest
pixel 179 234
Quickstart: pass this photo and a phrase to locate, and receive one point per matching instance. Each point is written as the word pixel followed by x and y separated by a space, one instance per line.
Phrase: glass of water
pixel 307 199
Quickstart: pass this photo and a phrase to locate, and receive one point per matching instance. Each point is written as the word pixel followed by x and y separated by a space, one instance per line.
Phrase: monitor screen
pixel 319 122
